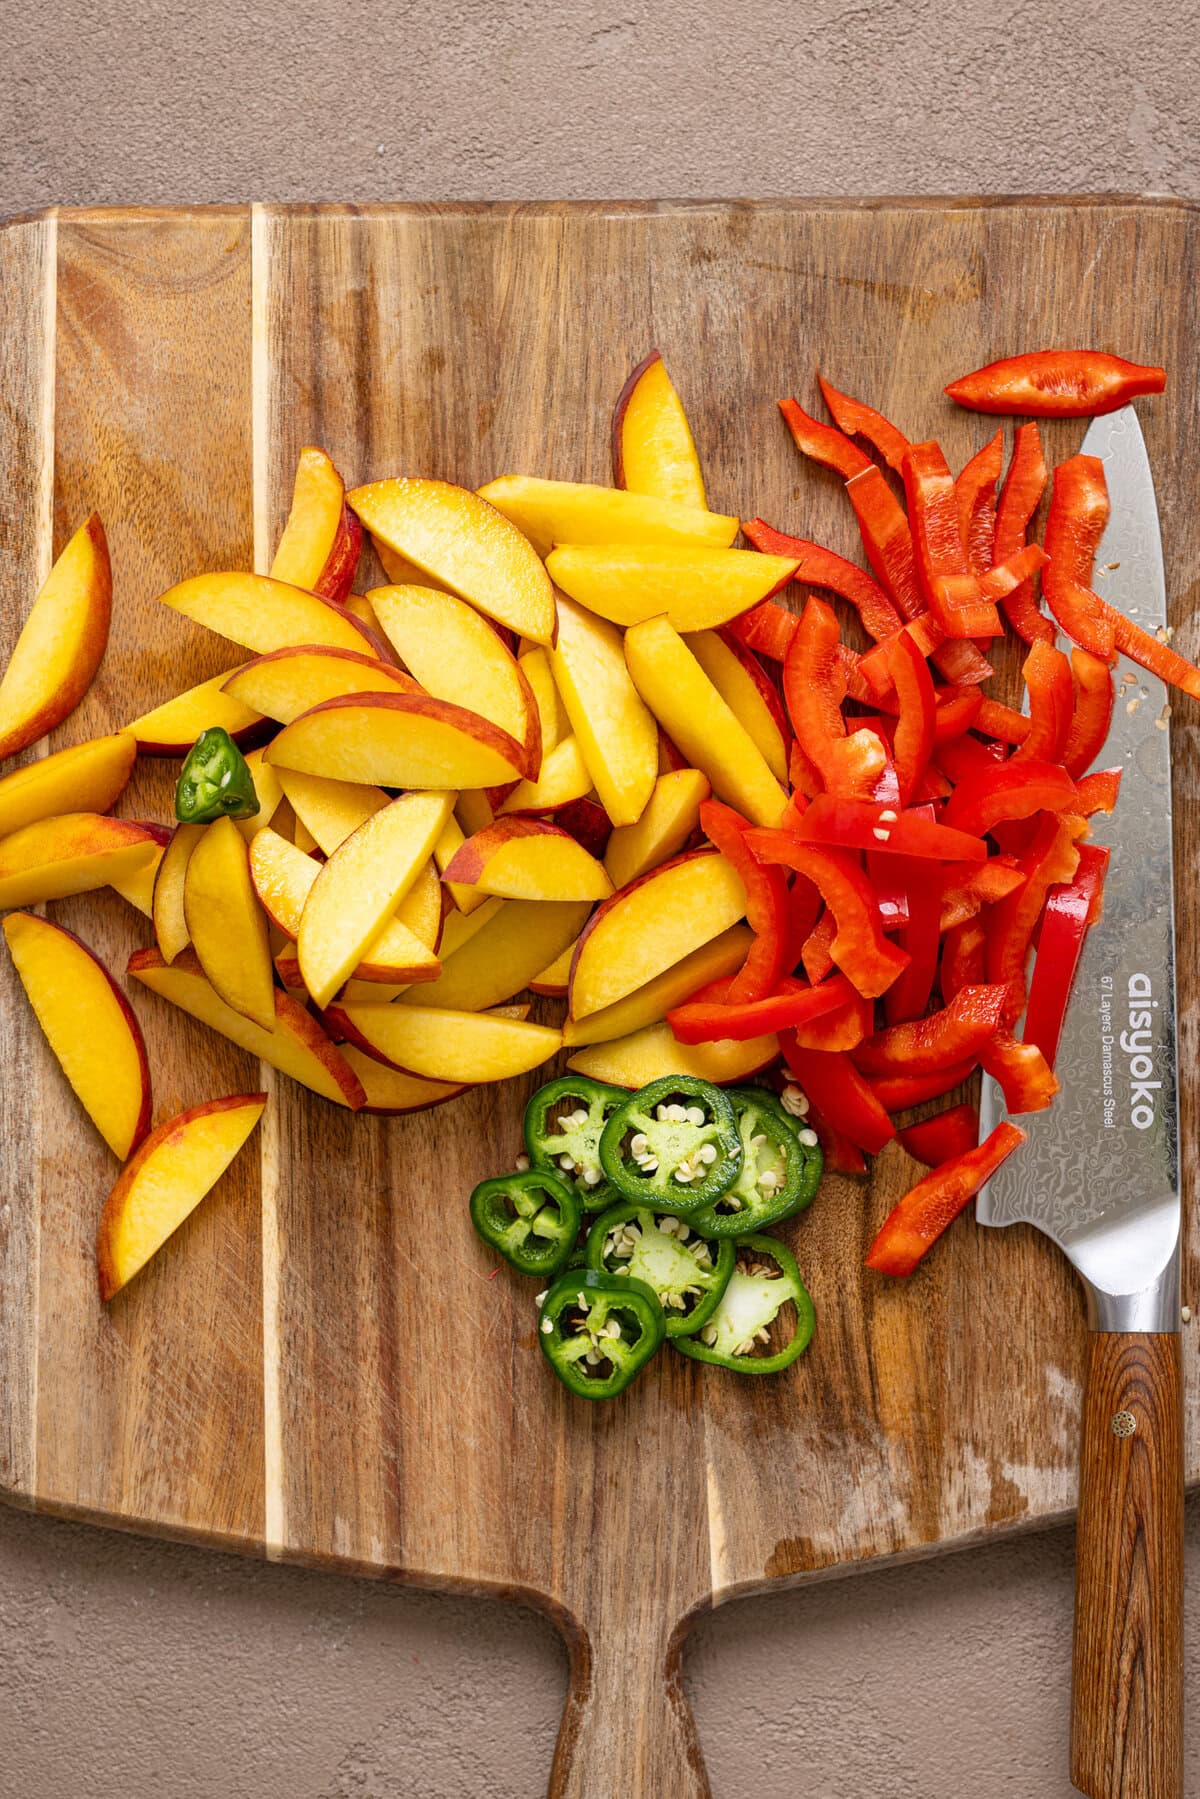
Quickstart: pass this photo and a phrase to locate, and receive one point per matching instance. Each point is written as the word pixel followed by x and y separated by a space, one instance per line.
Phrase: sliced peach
pixel 166 910
pixel 171 1173
pixel 390 1091
pixel 467 899
pixel 651 925
pixel 88 1024
pixel 283 878
pixel 550 512
pixel 399 570
pixel 456 654
pixel 720 956
pixel 474 812
pixel 526 858
pixel 330 811
pixel 269 789
pixel 398 740
pixel 465 545
pixel 172 728
pixel 696 587
pixel 322 538
pixel 653 449
pixel 360 608
pixel 469 1047
pixel 694 715
pixel 503 957
pixel 137 888
pixel 288 682
pixel 552 718
pixel 616 733
pixel 75 852
pixel 297 1045
pixel 357 891
pixel 670 817
pixel 422 910
pixel 88 777
pixel 564 777
pixel 740 680
pixel 636 1060
pixel 227 927
pixel 61 644
pixel 302 837
pixel 554 979
pixel 264 615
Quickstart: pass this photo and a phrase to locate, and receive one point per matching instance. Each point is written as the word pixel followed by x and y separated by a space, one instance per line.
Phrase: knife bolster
pixel 1153 1308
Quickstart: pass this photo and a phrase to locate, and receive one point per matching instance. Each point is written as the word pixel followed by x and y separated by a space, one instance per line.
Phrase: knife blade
pixel 1099 1175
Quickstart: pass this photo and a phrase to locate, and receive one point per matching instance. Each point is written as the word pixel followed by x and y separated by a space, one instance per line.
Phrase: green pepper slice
pixel 668 1257
pixel 532 1218
pixel 779 1174
pixel 739 1334
pixel 214 781
pixel 597 1331
pixel 673 1145
pixel 563 1124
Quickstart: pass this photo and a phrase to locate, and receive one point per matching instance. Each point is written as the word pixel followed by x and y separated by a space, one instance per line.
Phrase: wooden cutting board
pixel 321 1367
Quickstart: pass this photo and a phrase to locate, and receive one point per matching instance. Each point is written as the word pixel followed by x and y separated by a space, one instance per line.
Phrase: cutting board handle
pixel 1127 1689
pixel 627 1727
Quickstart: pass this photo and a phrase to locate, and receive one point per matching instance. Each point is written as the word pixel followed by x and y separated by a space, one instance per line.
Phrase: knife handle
pixel 1127 1685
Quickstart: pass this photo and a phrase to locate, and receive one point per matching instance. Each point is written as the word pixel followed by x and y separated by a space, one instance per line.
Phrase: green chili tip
pixel 215 781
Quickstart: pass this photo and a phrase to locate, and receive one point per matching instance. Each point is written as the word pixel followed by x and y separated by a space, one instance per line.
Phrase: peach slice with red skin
pixel 720 956
pixel 615 731
pixel 88 777
pixel 321 540
pixel 670 816
pixel 285 683
pixel 470 1047
pixel 227 927
pixel 696 586
pixel 330 810
pixel 653 451
pixel 527 858
pixel 551 512
pixel 564 778
pixel 746 689
pixel 636 1060
pixel 172 728
pixel 75 852
pixel 89 1024
pixel 264 615
pixel 403 740
pixel 166 904
pixel 390 1092
pixel 62 642
pixel 177 1165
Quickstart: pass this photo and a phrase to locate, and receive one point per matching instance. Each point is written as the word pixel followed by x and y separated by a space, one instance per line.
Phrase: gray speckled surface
pixel 132 1670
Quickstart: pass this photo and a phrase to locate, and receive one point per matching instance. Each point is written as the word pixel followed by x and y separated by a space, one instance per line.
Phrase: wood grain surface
pixel 319 1367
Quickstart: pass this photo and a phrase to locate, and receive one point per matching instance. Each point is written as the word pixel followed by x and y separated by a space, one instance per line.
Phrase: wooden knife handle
pixel 1127 1688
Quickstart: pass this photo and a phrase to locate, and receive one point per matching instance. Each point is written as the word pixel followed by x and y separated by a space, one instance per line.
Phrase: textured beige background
pixel 133 1670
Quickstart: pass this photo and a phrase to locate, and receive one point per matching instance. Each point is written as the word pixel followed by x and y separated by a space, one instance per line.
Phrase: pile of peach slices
pixel 481 780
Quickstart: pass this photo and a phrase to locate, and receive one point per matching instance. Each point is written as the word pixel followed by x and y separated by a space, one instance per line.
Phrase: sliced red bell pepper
pixel 767 628
pixel 924 1213
pixel 794 811
pixel 712 1013
pixel 805 779
pixel 997 720
pixel 964 957
pixel 975 493
pixel 913 685
pixel 766 903
pixel 897 1092
pixel 1151 652
pixel 938 1139
pixel 1047 676
pixel 820 567
pixel 822 442
pixel 1052 858
pixel 920 938
pixel 1069 914
pixel 859 947
pixel 842 1029
pixel 1026 1078
pixel 957 1033
pixel 1056 384
pixel 841 1095
pixel 865 825
pixel 886 538
pixel 817 951
pixel 1003 578
pixel 1003 790
pixel 891 893
pixel 1087 620
pixel 858 688
pixel 857 419
pixel 1091 715
pixel 965 756
pixel 1097 792
pixel 814 685
pixel 840 1154
pixel 1078 514
pixel 1020 496
pixel 957 710
pixel 951 591
pixel 932 785
pixel 987 884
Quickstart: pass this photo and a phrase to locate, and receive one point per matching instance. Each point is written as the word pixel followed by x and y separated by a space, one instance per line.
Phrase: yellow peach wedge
pixel 616 733
pixel 470 1047
pixel 391 1092
pixel 166 905
pixel 74 852
pixel 526 858
pixel 286 683
pixel 550 512
pixel 662 831
pixel 88 777
pixel 552 717
pixel 740 680
pixel 227 927
pixel 330 811
pixel 720 956
pixel 264 615
pixel 564 777
pixel 636 1060
pixel 653 450
pixel 401 740
pixel 172 728
pixel 503 957
pixel 322 538
pixel 61 644
pixel 695 586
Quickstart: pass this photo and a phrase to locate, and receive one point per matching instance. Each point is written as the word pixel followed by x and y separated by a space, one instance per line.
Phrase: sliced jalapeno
pixel 673 1145
pixel 214 781
pixel 742 1334
pixel 597 1331
pixel 532 1218
pixel 563 1125
pixel 779 1174
pixel 687 1273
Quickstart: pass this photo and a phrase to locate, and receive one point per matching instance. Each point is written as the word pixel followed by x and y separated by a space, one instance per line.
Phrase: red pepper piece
pixel 793 812
pixel 1047 675
pixel 1078 514
pixel 838 1151
pixel 841 1095
pixel 1002 790
pixel 987 885
pixel 862 825
pixel 766 903
pixel 859 947
pixel 1092 711
pixel 803 776
pixel 886 538
pixel 840 1030
pixel 817 953
pixel 913 685
pixel 857 419
pixel 975 492
pixel 1051 858
pixel 938 1139
pixel 923 1045
pixel 897 1092
pixel 767 628
pixel 1069 915
pixel 951 591
pixel 820 567
pixel 1005 577
pixel 996 720
pixel 1087 619
pixel 814 685
pixel 891 893
pixel 1026 1078
pixel 1142 647
pixel 1020 496
pixel 965 756
pixel 713 1013
pixel 858 688
pixel 932 785
pixel 1097 792
pixel 908 996
pixel 924 1213
pixel 957 710
pixel 964 955
pixel 822 442
pixel 1056 384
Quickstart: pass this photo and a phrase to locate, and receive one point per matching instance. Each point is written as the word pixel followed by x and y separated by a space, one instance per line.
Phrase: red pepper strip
pixel 822 442
pixel 1140 646
pixel 817 953
pixel 804 909
pixel 793 812
pixel 838 1151
pixel 848 824
pixel 857 419
pixel 766 903
pixel 947 1134
pixel 975 493
pixel 1023 487
pixel 897 1092
pixel 1070 912
pixel 858 688
pixel 1047 675
pixel 1097 792
pixel 964 954
pixel 965 756
pixel 1056 384
pixel 955 657
pixel 859 947
pixel 922 1045
pixel 1005 577
pixel 712 1013
pixel 951 592
pixel 767 628
pixel 913 685
pixel 1010 789
pixel 840 1030
pixel 891 893
pixel 820 567
pixel 1092 712
pixel 987 884
pixel 997 720
pixel 932 785
pixel 814 685
pixel 841 1095
pixel 957 710
pixel 1078 514
pixel 908 997
pixel 886 538
pixel 1026 1078
pixel 1087 619
pixel 924 1213
pixel 803 776
pixel 1050 859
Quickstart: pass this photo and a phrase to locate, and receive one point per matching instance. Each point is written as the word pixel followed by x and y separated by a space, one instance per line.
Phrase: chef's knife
pixel 1100 1175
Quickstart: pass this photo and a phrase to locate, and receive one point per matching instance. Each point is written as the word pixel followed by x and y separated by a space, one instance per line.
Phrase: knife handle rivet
pixel 1124 1424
